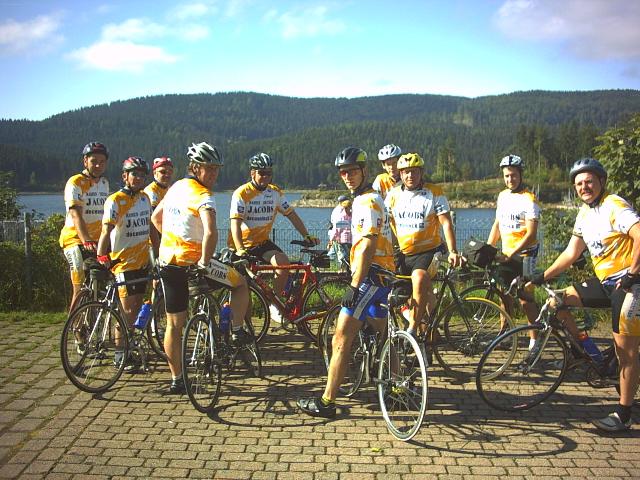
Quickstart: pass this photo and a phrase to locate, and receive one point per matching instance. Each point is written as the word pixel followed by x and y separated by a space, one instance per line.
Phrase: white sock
pixel 532 342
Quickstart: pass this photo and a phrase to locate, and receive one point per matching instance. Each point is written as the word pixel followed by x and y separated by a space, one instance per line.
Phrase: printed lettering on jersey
pixel 513 210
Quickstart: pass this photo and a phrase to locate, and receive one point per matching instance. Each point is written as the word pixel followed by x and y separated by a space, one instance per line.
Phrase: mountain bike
pixel 397 359
pixel 207 351
pixel 92 334
pixel 310 295
pixel 509 377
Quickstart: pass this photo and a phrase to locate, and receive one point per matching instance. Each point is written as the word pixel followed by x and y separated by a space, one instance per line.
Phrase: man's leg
pixel 278 259
pixel 627 351
pixel 571 299
pixel 422 297
pixel 340 350
pixel 173 342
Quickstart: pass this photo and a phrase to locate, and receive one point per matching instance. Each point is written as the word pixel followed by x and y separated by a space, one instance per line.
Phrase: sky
pixel 57 56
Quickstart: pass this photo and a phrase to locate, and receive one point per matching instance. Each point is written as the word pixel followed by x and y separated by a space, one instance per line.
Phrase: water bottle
pixel 591 348
pixel 143 315
pixel 287 287
pixel 225 318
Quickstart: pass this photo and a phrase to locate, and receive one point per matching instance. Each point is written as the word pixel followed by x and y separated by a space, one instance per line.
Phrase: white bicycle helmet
pixel 512 161
pixel 389 151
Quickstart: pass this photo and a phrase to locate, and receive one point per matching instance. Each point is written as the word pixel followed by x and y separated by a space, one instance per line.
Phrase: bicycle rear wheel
pixel 402 385
pixel 317 301
pixel 356 365
pixel 157 326
pixel 88 345
pixel 464 331
pixel 511 378
pixel 201 367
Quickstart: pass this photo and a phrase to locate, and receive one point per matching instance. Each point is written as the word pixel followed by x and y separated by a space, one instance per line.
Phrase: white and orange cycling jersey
pixel 369 217
pixel 512 212
pixel 81 191
pixel 130 216
pixel 414 217
pixel 182 229
pixel 155 192
pixel 385 182
pixel 604 229
pixel 257 210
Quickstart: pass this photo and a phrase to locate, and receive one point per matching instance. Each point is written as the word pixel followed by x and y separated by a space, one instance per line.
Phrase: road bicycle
pixel 207 350
pixel 511 377
pixel 395 357
pixel 310 295
pixel 92 334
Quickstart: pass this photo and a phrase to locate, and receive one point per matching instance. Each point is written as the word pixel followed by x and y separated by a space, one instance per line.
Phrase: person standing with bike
pixel 186 219
pixel 609 228
pixel 516 224
pixel 84 197
pixel 371 249
pixel 385 181
pixel 125 238
pixel 254 207
pixel 418 211
pixel 340 232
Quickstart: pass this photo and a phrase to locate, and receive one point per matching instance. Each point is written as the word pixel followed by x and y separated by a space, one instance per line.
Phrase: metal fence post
pixel 28 258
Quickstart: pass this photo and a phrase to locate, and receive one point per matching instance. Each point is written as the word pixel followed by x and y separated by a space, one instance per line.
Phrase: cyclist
pixel 516 224
pixel 371 250
pixel 340 232
pixel 388 156
pixel 125 237
pixel 254 206
pixel 84 197
pixel 162 174
pixel 186 218
pixel 609 228
pixel 418 210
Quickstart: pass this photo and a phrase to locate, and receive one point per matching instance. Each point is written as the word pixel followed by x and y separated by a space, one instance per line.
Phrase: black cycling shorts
pixel 594 294
pixel 176 288
pixel 137 288
pixel 420 261
pixel 261 250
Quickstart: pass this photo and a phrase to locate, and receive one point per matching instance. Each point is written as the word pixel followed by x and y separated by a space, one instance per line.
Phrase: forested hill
pixel 459 137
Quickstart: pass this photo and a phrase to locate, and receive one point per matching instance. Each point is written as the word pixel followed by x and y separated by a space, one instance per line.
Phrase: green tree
pixel 619 152
pixel 8 197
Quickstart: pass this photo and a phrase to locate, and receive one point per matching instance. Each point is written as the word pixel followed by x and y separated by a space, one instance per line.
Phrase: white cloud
pixel 191 10
pixel 120 56
pixel 236 7
pixel 32 36
pixel 133 29
pixel 305 22
pixel 595 29
pixel 193 33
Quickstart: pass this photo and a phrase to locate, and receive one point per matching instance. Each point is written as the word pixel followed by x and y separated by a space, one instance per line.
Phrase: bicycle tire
pixel 201 366
pixel 320 298
pixel 356 366
pixel 157 325
pixel 88 344
pixel 464 331
pixel 249 357
pixel 508 378
pixel 402 385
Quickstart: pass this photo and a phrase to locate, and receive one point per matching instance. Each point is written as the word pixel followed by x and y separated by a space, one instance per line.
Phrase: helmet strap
pixel 364 186
pixel 597 200
pixel 258 187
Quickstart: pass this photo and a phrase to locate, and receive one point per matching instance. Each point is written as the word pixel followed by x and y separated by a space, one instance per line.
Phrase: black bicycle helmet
pixel 351 156
pixel 205 154
pixel 135 163
pixel 587 165
pixel 260 160
pixel 95 147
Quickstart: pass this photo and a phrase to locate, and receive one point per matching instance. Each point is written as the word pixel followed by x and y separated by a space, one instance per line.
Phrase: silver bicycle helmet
pixel 205 154
pixel 389 151
pixel 587 165
pixel 512 161
pixel 260 160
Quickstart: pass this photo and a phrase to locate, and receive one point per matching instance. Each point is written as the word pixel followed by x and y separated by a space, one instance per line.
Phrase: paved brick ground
pixel 48 429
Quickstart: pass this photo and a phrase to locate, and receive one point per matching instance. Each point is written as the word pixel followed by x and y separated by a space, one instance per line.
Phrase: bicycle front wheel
pixel 510 377
pixel 402 385
pixel 356 362
pixel 318 300
pixel 201 367
pixel 464 331
pixel 90 337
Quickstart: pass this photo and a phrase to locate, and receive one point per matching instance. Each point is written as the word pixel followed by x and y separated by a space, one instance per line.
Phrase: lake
pixel 469 221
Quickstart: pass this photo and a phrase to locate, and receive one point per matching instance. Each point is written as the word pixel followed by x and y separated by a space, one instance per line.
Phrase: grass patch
pixel 51 318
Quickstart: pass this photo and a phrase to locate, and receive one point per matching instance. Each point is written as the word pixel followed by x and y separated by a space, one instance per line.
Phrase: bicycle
pixel 311 293
pixel 509 377
pixel 401 380
pixel 206 349
pixel 93 332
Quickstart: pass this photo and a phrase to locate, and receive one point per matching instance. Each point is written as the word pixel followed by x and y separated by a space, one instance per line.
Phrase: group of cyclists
pixel 395 224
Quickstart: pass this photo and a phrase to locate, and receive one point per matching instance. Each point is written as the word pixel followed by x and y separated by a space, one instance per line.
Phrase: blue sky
pixel 61 55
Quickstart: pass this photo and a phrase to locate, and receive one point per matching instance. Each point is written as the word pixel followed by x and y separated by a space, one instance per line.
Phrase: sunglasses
pixel 138 173
pixel 265 173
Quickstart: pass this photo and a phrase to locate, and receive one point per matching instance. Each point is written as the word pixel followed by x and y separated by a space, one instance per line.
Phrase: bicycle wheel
pixel 317 301
pixel 157 325
pixel 511 378
pixel 464 331
pixel 201 367
pixel 247 360
pixel 354 372
pixel 258 313
pixel 88 345
pixel 402 385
